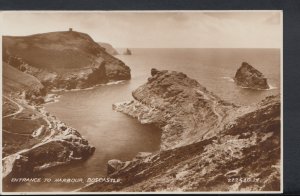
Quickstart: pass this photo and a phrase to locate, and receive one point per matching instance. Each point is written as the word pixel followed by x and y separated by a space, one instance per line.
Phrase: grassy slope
pixel 8 107
pixel 64 53
pixel 17 81
pixel 18 129
pixel 53 51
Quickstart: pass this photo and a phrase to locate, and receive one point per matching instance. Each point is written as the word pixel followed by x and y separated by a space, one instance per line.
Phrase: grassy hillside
pixel 58 51
pixel 16 81
pixel 54 51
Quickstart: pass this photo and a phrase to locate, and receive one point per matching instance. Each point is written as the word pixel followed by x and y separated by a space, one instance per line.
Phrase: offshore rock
pixel 184 110
pixel 249 77
pixel 127 52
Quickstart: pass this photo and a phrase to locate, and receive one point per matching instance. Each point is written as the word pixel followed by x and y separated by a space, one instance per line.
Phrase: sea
pixel 118 136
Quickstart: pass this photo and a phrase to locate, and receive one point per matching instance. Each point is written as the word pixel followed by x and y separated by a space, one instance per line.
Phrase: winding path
pixel 22 134
pixel 15 113
pixel 21 108
pixel 220 117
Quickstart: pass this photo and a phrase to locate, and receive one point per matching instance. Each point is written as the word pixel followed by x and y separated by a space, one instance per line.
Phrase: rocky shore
pixel 50 142
pixel 207 144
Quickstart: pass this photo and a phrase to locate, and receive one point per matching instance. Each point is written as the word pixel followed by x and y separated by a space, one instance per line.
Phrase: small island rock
pixel 127 52
pixel 249 77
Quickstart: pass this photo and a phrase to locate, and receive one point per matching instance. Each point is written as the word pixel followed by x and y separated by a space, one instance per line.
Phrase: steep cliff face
pixel 17 82
pixel 108 48
pixel 249 77
pixel 63 59
pixel 208 144
pixel 180 106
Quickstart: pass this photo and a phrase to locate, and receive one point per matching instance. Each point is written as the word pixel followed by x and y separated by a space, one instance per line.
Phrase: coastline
pixel 52 136
pixel 113 82
pixel 54 97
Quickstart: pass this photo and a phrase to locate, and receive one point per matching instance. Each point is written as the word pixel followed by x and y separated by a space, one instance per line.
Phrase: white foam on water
pixel 56 98
pixel 272 87
pixel 230 79
pixel 112 83
pixel 90 88
pixel 51 98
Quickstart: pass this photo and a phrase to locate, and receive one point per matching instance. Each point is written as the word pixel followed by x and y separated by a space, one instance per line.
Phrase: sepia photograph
pixel 142 101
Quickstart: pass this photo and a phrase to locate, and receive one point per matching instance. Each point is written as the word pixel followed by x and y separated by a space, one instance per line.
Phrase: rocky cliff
pixel 63 60
pixel 249 77
pixel 108 48
pixel 207 143
pixel 16 82
pixel 185 110
pixel 34 140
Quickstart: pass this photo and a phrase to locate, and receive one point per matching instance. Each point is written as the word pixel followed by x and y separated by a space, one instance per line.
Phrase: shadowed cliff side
pixel 63 59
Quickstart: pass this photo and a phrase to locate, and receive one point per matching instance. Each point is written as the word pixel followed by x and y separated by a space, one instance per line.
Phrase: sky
pixel 184 29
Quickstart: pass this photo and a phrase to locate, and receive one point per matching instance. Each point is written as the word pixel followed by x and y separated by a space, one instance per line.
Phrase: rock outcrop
pixel 249 77
pixel 114 165
pixel 42 143
pixel 66 147
pixel 33 139
pixel 207 144
pixel 108 48
pixel 17 82
pixel 63 60
pixel 185 110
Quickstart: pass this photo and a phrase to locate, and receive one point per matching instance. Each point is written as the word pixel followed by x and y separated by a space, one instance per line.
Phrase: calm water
pixel 212 68
pixel 117 136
